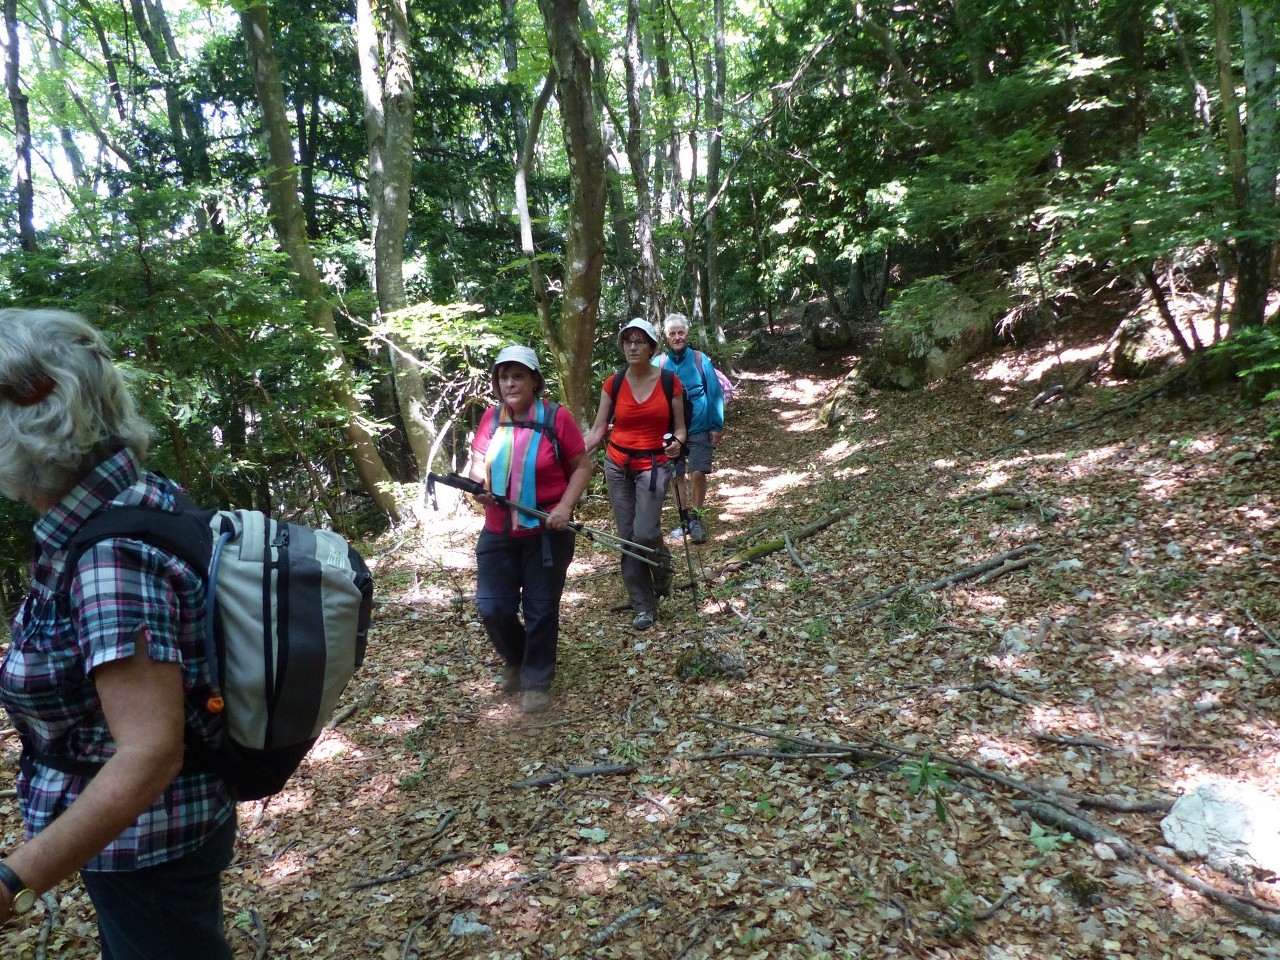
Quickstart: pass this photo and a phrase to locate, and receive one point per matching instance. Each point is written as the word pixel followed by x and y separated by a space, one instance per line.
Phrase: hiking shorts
pixel 698 459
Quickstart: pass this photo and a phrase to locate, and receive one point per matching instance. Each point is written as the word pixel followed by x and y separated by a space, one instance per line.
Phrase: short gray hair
pixel 64 406
pixel 675 320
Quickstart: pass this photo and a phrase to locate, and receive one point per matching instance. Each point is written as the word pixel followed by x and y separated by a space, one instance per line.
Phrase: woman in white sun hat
pixel 530 452
pixel 646 407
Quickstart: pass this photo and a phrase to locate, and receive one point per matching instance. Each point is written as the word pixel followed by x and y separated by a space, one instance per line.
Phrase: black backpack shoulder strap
pixel 183 533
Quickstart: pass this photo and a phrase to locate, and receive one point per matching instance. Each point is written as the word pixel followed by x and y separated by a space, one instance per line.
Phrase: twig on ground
pixel 407 952
pixel 791 549
pixel 1271 637
pixel 406 874
pixel 352 708
pixel 556 776
pixel 625 919
pixel 559 723
pixel 1011 565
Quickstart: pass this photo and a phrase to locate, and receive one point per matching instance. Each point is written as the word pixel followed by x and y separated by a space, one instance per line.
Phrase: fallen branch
pixel 1163 384
pixel 761 550
pixel 968 573
pixel 407 874
pixel 791 549
pixel 352 708
pixel 1009 566
pixel 556 776
pixel 1078 827
pixel 625 919
pixel 1044 808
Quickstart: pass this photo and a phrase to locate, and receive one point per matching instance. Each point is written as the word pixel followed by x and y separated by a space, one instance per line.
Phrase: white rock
pixel 1233 827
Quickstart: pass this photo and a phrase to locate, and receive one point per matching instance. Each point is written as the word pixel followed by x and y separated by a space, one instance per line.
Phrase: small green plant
pixel 799 584
pixel 817 629
pixel 913 611
pixel 764 807
pixel 1179 448
pixel 925 776
pixel 412 781
pixel 627 751
pixel 1048 842
pixel 959 903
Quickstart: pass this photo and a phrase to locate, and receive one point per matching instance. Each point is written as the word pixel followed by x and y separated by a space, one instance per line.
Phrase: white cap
pixel 644 326
pixel 517 354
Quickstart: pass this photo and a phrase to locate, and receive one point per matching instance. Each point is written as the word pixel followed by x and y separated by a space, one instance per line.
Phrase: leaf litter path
pixel 854 794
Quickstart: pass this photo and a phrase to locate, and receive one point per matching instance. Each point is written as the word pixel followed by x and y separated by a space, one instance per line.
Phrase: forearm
pixel 125 787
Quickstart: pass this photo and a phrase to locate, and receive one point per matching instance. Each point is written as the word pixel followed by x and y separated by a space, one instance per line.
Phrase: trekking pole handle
pixel 670 438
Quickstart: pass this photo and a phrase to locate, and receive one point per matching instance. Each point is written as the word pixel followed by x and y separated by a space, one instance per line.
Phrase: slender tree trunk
pixel 186 122
pixel 572 340
pixel 715 122
pixel 637 144
pixel 21 129
pixel 523 167
pixel 387 80
pixel 286 212
pixel 1254 249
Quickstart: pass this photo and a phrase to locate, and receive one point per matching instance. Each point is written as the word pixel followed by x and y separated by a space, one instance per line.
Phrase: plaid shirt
pixel 122 590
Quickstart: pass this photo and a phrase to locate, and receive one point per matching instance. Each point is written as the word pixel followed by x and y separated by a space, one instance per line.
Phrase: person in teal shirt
pixel 706 428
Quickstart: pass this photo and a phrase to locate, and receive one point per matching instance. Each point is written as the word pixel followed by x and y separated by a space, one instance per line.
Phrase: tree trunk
pixel 523 167
pixel 387 81
pixel 573 338
pixel 1253 250
pixel 715 123
pixel 637 145
pixel 21 129
pixel 286 213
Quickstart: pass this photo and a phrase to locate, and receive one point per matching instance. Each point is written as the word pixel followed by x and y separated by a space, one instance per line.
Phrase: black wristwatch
pixel 21 897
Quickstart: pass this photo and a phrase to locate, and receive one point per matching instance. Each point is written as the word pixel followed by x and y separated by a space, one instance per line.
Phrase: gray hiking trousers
pixel 637 511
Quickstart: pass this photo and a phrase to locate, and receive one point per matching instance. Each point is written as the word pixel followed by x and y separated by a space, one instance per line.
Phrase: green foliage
pixel 1048 842
pixel 1255 353
pixel 913 611
pixel 926 777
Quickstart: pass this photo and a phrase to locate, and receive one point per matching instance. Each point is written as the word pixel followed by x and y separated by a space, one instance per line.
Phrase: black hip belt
pixel 660 451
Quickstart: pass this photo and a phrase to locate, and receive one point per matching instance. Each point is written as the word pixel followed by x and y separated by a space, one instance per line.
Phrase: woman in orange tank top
pixel 636 467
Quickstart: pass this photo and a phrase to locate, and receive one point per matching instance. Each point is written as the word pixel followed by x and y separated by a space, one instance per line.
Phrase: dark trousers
pixel 512 577
pixel 172 911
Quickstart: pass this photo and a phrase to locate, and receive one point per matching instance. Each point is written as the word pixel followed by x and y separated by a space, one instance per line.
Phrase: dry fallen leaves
pixel 730 818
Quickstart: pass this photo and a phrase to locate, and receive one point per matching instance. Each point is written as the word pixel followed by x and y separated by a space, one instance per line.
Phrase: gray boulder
pixel 934 339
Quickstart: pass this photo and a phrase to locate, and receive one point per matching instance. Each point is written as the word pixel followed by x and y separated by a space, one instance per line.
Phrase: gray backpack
pixel 287 610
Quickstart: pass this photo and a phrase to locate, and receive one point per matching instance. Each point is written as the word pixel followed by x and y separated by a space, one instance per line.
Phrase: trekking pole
pixel 684 521
pixel 607 540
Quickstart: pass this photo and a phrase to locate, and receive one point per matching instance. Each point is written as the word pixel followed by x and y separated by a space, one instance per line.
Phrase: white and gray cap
pixel 517 354
pixel 644 326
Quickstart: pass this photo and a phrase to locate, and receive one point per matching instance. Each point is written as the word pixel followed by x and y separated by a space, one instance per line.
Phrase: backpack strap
pixel 183 533
pixel 546 426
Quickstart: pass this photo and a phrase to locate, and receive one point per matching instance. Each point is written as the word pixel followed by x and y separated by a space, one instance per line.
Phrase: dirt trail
pixel 818 806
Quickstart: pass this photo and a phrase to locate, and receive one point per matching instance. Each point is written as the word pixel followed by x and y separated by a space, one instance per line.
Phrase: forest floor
pixel 862 790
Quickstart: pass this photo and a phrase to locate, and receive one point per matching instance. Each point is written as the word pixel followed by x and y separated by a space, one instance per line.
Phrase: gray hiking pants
pixel 636 498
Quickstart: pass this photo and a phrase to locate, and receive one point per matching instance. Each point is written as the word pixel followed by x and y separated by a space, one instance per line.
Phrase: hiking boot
pixel 697 532
pixel 510 681
pixel 536 701
pixel 644 620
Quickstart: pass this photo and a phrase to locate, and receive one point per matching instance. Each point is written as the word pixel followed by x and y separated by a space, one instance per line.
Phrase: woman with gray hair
pixel 101 661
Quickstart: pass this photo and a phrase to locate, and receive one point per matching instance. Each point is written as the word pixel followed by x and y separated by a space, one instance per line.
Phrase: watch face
pixel 23 901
